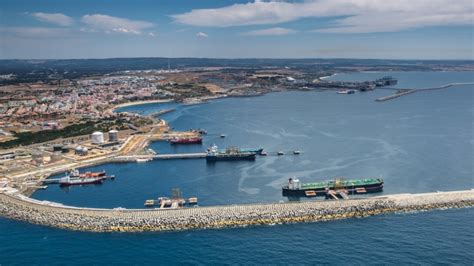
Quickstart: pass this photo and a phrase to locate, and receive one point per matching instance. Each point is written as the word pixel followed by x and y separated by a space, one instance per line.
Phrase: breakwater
pixel 403 92
pixel 17 206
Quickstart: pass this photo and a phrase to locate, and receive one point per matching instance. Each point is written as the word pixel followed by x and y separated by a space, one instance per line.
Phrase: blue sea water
pixel 418 143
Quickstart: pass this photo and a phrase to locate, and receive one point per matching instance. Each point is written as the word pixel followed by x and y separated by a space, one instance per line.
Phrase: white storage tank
pixel 97 137
pixel 78 150
pixel 113 135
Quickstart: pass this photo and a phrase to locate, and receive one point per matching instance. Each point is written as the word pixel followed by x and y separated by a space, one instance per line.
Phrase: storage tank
pixel 57 147
pixel 85 151
pixel 78 150
pixel 97 137
pixel 113 135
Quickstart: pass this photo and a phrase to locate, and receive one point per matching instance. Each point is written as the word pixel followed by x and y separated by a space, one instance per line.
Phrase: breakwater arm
pixel 17 206
pixel 404 92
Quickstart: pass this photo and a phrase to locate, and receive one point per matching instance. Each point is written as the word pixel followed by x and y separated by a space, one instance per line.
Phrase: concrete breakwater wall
pixel 127 220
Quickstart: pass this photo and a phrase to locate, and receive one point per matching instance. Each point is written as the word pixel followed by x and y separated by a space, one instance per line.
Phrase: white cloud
pixel 359 15
pixel 270 31
pixel 202 35
pixel 54 18
pixel 109 24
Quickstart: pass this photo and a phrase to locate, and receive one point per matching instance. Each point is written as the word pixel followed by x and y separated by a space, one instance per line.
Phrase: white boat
pixel 143 160
pixel 346 92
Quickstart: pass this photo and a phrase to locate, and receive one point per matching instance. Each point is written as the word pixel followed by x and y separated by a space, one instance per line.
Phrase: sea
pixel 422 142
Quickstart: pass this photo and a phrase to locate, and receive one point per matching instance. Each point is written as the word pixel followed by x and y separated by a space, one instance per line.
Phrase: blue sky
pixel 399 29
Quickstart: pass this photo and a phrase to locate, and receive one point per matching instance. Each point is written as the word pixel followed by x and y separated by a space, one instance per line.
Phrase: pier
pixel 170 156
pixel 19 207
pixel 403 92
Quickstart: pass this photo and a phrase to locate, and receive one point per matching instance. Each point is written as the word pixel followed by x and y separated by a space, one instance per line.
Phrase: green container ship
pixel 295 188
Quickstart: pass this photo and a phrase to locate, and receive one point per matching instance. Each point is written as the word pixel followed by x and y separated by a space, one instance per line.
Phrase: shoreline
pixel 19 207
pixel 140 103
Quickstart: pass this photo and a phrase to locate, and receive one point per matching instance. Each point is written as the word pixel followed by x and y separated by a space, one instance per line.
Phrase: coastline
pixel 140 103
pixel 19 207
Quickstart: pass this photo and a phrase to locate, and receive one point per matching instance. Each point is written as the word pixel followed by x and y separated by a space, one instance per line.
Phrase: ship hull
pixel 214 158
pixel 188 141
pixel 81 182
pixel 353 190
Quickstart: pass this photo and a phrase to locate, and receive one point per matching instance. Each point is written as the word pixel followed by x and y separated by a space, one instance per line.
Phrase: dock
pixel 171 156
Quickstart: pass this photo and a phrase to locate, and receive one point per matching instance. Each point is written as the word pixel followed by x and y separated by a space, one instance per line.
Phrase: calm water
pixel 421 142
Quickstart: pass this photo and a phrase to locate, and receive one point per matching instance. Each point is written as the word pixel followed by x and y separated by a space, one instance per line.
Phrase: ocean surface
pixel 422 142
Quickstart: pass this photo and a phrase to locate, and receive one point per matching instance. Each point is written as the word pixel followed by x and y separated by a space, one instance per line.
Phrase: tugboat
pixel 230 154
pixel 195 140
pixel 295 188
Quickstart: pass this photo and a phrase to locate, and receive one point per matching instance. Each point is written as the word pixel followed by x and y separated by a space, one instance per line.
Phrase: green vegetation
pixel 27 138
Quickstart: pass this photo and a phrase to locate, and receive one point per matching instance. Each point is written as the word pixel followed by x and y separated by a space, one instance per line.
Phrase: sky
pixel 386 29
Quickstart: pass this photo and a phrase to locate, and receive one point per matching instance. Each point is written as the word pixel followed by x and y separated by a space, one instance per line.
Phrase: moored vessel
pixel 295 188
pixel 75 181
pixel 230 154
pixel 257 151
pixel 194 140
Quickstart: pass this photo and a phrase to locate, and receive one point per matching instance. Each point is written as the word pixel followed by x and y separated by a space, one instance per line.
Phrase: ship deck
pixel 346 183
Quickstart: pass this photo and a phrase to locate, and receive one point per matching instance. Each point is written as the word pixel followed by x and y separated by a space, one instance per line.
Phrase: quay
pixel 170 156
pixel 16 206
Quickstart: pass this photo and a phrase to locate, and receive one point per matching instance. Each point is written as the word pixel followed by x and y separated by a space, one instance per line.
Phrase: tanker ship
pixel 230 154
pixel 75 181
pixel 195 140
pixel 74 178
pixel 257 151
pixel 295 188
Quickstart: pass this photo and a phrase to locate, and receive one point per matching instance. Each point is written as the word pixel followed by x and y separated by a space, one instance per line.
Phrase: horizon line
pixel 232 58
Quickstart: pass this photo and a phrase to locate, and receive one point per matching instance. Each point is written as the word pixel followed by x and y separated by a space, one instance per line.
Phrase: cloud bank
pixel 350 16
pixel 109 24
pixel 54 18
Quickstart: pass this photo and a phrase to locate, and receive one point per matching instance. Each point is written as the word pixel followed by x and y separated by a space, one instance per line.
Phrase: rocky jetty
pixel 17 206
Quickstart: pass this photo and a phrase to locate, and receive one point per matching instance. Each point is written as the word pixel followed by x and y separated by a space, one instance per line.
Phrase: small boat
pixel 346 92
pixel 280 153
pixel 296 152
pixel 223 136
pixel 263 153
pixel 143 160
